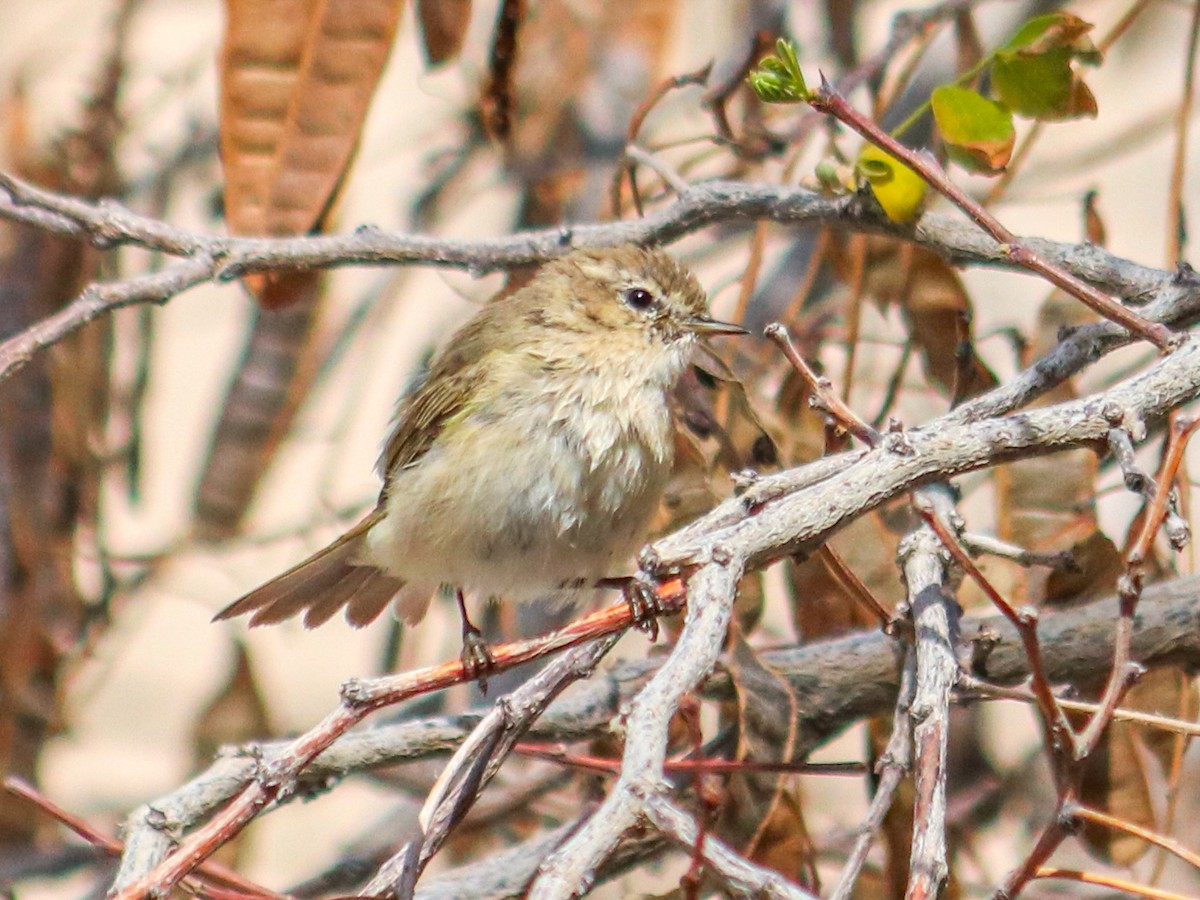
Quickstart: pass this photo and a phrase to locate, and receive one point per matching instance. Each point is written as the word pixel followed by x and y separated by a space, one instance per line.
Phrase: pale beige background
pixel 132 706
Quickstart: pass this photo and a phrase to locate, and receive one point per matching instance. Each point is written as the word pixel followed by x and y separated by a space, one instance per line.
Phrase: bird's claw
pixel 476 656
pixel 644 605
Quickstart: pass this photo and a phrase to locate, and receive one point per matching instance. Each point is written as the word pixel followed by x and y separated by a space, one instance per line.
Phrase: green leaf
pixel 1052 31
pixel 978 132
pixel 897 188
pixel 778 78
pixel 1032 72
pixel 1042 86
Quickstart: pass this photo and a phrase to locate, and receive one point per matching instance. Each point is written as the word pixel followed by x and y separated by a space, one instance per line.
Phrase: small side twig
pixel 824 397
pixel 1169 844
pixel 854 586
pixel 1141 482
pixel 670 177
pixel 986 544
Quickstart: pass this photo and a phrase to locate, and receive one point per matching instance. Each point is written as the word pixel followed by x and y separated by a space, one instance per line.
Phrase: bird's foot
pixel 476 656
pixel 641 596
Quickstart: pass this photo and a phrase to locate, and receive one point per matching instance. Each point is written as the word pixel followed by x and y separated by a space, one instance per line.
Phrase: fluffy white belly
pixel 519 510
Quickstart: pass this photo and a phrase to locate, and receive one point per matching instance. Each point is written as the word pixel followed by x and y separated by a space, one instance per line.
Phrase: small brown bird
pixel 530 461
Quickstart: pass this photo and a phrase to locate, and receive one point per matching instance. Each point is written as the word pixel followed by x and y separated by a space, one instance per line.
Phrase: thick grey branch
pixel 935 627
pixel 213 257
pixel 800 521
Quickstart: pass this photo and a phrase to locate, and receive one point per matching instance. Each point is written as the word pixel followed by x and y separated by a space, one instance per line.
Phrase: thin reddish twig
pixel 209 870
pixel 1151 837
pixel 829 101
pixel 1124 670
pixel 610 766
pixel 1119 884
pixel 822 388
pixel 853 585
pixel 360 698
pixel 1059 735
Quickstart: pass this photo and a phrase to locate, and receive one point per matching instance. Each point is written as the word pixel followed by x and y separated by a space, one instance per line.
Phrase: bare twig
pixel 1107 881
pixel 824 397
pixel 893 764
pixel 972 687
pixel 1141 482
pixel 1169 844
pixel 980 544
pixel 854 586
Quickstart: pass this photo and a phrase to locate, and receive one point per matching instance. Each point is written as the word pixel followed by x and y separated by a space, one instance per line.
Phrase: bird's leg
pixel 477 659
pixel 641 596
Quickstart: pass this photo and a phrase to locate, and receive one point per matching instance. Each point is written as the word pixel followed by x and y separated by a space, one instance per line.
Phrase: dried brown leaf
pixel 443 28
pixel 936 306
pixel 764 817
pixel 296 80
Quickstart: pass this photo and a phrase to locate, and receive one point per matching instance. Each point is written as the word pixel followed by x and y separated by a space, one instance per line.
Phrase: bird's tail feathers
pixel 331 579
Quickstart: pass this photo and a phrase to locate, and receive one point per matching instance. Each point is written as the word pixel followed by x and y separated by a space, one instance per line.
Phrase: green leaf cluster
pixel 778 78
pixel 1030 75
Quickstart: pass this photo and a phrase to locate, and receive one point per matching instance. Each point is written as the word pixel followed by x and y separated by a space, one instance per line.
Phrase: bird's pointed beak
pixel 706 325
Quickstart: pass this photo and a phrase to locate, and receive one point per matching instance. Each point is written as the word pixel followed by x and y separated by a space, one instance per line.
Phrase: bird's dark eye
pixel 638 298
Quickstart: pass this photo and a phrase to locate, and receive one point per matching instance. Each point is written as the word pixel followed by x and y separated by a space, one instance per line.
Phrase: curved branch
pixel 221 258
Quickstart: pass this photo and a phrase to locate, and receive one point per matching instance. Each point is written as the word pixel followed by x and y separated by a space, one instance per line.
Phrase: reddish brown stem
pixel 821 387
pixel 1059 736
pixel 827 100
pixel 1120 885
pixel 1151 837
pixel 210 870
pixel 1047 843
pixel 360 699
pixel 853 585
pixel 1124 670
pixel 708 766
